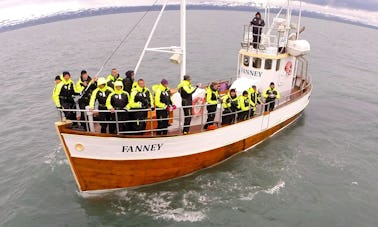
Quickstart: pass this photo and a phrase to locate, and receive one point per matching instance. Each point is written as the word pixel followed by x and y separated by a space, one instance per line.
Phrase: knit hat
pixel 164 82
pixel 186 77
pixel 129 73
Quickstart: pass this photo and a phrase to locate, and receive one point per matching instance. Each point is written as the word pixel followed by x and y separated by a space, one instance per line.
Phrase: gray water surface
pixel 321 171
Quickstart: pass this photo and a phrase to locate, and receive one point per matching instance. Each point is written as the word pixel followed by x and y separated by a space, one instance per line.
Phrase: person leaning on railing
pixel 63 95
pixel 186 90
pixel 244 105
pixel 212 97
pixel 270 95
pixel 100 94
pixel 85 86
pixel 164 105
pixel 118 100
pixel 141 100
pixel 257 24
pixel 230 104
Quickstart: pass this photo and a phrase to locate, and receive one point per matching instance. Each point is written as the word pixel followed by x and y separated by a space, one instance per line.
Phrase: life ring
pixel 288 67
pixel 197 105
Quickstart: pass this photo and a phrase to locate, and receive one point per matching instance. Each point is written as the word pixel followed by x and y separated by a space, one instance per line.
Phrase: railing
pixel 272 40
pixel 89 123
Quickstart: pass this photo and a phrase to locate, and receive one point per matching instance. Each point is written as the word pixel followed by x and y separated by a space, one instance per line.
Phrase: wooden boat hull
pixel 100 163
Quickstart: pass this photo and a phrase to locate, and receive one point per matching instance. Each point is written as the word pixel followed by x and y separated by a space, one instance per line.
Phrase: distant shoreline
pixel 115 10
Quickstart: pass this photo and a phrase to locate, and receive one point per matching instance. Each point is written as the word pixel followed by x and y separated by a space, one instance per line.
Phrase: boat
pixel 103 161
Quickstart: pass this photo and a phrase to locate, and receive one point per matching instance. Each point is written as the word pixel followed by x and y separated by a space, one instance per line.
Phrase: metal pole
pixel 150 37
pixel 117 126
pixel 151 124
pixel 183 38
pixel 299 18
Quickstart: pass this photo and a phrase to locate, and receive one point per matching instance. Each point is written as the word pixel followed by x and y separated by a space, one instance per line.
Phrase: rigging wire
pixel 125 37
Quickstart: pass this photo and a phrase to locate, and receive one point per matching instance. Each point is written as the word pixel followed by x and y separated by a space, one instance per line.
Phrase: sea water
pixel 320 171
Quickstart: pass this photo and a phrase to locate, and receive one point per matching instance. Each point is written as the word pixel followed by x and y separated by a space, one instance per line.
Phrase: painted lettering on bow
pixel 142 148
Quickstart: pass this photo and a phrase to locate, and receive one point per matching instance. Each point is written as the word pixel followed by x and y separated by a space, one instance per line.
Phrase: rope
pixel 124 38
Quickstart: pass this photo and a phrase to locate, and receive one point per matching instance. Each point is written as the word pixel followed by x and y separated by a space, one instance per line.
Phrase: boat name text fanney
pixel 142 148
pixel 251 72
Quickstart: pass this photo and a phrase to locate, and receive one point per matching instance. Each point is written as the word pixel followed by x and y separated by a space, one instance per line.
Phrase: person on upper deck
pixel 164 102
pixel 257 24
pixel 186 90
pixel 230 104
pixel 63 95
pixel 118 100
pixel 140 99
pixel 270 95
pixel 113 77
pixel 100 94
pixel 212 96
pixel 128 82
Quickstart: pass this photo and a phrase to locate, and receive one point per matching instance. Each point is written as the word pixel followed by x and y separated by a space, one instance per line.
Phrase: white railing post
pixel 90 119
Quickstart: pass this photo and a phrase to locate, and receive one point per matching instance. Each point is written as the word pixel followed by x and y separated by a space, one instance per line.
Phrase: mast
pixel 179 52
pixel 150 37
pixel 183 38
pixel 299 19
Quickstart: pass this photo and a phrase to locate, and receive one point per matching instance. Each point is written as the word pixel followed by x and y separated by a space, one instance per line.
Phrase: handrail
pixel 88 118
pixel 270 42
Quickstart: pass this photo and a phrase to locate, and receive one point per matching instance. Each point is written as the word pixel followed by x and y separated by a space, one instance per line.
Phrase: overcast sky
pixel 15 11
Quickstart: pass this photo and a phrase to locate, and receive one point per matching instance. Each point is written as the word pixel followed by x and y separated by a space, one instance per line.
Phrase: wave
pixel 37 11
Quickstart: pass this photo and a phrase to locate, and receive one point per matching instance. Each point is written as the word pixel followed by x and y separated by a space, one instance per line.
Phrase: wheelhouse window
pixel 246 60
pixel 278 61
pixel 268 64
pixel 256 63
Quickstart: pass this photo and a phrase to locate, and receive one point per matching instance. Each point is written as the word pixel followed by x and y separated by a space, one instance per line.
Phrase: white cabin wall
pixel 262 77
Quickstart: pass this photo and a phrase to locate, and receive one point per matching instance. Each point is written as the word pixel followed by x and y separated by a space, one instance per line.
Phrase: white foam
pixel 276 188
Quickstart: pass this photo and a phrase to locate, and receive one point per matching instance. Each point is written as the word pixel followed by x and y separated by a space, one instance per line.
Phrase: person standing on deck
pixel 140 99
pixel 257 24
pixel 113 77
pixel 244 105
pixel 119 100
pixel 230 104
pixel 212 96
pixel 163 101
pixel 128 82
pixel 63 95
pixel 186 90
pixel 254 98
pixel 85 86
pixel 270 95
pixel 100 94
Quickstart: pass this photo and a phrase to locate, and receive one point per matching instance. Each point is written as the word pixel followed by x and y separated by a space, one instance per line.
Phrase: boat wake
pixel 184 200
pixel 56 158
pixel 165 205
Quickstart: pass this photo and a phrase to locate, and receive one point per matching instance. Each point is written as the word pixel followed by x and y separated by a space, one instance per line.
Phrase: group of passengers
pixel 128 101
pixel 239 107
pixel 114 93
